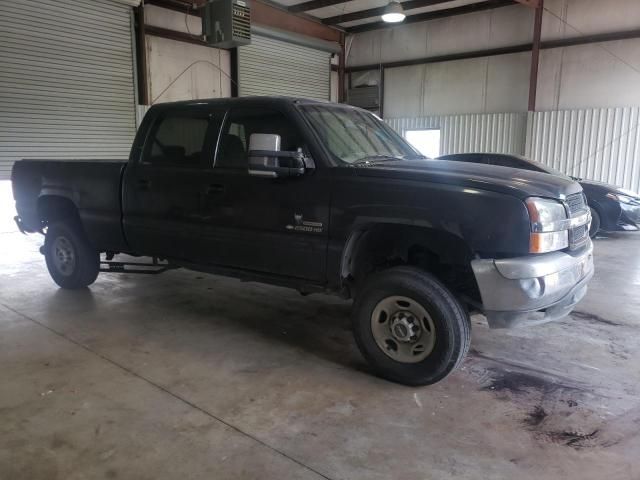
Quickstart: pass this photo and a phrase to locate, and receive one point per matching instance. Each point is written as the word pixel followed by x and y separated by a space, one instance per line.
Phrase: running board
pixel 153 268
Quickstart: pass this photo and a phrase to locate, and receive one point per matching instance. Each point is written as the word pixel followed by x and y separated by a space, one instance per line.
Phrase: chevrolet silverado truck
pixel 327 198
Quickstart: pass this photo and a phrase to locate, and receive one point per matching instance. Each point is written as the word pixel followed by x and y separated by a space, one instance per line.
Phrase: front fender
pixel 490 224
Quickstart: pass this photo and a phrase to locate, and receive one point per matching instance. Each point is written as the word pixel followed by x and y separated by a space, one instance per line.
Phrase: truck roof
pixel 264 100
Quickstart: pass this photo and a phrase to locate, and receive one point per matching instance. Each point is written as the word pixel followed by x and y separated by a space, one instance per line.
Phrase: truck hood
pixel 510 181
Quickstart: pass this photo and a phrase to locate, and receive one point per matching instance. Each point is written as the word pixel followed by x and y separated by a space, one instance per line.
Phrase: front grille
pixel 577 205
pixel 578 236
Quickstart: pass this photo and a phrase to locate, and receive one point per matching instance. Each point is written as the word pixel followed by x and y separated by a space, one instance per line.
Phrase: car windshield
pixel 542 167
pixel 357 137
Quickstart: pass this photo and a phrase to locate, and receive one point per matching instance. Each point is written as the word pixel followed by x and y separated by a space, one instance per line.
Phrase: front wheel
pixel 71 260
pixel 410 327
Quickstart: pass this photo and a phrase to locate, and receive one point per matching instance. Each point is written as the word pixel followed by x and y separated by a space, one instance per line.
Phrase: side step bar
pixel 153 268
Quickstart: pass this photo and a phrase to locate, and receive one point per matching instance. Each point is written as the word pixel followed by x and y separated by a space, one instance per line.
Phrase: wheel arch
pixel 609 212
pixel 373 246
pixel 56 206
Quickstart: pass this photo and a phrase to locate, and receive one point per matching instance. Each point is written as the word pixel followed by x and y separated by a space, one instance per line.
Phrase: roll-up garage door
pixel 269 66
pixel 66 80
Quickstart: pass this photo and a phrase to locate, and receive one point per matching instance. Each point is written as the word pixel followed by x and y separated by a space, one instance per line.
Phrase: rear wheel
pixel 71 260
pixel 595 223
pixel 410 327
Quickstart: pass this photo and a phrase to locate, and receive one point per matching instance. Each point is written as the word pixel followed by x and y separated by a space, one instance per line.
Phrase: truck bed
pixel 94 187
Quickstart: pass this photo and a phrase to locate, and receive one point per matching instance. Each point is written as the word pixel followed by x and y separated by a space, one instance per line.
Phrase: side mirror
pixel 267 160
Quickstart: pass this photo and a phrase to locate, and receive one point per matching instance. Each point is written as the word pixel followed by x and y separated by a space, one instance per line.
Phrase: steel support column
pixel 535 55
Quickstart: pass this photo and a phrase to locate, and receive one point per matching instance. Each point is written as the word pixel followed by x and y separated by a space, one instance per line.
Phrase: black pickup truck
pixel 323 198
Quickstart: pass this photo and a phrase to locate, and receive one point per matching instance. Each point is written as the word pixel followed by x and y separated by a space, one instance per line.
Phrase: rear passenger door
pixel 254 223
pixel 162 191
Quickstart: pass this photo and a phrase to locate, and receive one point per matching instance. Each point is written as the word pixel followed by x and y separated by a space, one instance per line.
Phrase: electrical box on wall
pixel 366 96
pixel 227 23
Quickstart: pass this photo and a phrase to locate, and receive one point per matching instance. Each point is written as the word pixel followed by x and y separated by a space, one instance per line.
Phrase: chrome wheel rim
pixel 64 256
pixel 403 329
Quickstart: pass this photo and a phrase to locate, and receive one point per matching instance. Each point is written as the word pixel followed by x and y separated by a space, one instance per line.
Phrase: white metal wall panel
pixel 495 132
pixel 66 80
pixel 274 67
pixel 598 144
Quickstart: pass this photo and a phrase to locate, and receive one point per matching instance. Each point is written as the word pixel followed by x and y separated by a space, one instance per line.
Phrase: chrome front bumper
pixel 534 289
pixel 630 214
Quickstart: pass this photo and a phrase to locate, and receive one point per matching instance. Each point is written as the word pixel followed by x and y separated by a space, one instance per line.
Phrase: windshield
pixel 354 136
pixel 543 167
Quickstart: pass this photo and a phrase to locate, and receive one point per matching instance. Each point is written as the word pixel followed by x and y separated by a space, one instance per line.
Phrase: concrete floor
pixel 190 376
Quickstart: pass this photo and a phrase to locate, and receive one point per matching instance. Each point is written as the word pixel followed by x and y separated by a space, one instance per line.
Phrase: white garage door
pixel 275 67
pixel 66 80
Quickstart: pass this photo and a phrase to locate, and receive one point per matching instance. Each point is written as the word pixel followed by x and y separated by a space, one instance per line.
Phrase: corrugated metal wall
pixel 598 144
pixel 66 80
pixel 494 132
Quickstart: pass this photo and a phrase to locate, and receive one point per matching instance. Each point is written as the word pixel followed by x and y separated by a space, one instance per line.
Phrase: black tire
pixel 66 240
pixel 595 223
pixel 447 315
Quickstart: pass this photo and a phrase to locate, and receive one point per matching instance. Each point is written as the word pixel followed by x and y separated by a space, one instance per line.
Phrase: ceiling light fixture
pixel 393 13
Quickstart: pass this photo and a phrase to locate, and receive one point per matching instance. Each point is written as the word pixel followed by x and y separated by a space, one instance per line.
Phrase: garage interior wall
pixel 66 81
pixel 491 132
pixel 179 70
pixel 595 81
pixel 596 143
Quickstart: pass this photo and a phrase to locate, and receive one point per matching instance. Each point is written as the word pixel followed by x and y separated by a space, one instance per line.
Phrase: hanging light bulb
pixel 393 13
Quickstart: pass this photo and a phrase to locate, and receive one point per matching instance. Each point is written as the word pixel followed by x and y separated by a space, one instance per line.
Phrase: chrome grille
pixel 577 205
pixel 578 235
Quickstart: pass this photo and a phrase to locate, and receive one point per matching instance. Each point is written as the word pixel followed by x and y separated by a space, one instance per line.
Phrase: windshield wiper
pixel 371 159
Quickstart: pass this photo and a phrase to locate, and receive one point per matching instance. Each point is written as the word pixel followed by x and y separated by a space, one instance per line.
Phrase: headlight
pixel 546 215
pixel 549 225
pixel 620 197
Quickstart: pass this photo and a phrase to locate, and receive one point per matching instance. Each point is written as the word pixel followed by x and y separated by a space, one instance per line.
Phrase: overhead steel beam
pixel 524 47
pixel 423 17
pixel 175 35
pixel 177 5
pixel 376 12
pixel 530 3
pixel 313 5
pixel 269 16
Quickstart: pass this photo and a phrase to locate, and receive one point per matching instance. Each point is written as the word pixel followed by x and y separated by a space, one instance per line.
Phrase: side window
pixel 177 140
pixel 233 151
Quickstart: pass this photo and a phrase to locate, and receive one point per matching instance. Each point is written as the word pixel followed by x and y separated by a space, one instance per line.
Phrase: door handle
pixel 215 188
pixel 144 184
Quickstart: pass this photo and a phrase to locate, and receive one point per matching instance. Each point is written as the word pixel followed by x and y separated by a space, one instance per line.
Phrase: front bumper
pixel 534 289
pixel 630 217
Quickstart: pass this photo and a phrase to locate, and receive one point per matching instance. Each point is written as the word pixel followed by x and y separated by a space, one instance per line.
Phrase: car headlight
pixel 619 197
pixel 549 225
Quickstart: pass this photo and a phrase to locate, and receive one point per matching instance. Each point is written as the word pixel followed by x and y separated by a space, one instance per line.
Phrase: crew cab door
pixel 162 189
pixel 278 226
